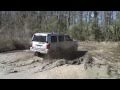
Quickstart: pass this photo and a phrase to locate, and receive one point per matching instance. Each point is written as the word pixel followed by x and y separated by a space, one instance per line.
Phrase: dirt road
pixel 93 61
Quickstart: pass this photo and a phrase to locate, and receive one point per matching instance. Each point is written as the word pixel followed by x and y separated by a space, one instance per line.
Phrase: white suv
pixel 46 42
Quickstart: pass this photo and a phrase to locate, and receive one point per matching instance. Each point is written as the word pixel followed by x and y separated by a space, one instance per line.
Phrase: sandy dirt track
pixel 93 61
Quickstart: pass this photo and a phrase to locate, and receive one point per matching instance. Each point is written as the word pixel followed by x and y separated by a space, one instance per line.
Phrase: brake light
pixel 48 46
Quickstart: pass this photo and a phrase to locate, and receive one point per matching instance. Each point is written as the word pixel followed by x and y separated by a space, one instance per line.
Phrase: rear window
pixel 61 38
pixel 39 38
pixel 53 38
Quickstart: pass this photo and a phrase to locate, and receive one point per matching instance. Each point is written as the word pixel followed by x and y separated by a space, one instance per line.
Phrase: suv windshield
pixel 39 38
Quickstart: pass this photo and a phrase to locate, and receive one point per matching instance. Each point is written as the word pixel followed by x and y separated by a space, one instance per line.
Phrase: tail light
pixel 48 46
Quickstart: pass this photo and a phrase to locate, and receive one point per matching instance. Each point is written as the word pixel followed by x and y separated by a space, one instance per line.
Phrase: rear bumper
pixel 43 51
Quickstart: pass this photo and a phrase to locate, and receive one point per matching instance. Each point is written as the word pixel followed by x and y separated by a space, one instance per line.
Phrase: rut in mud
pixel 20 61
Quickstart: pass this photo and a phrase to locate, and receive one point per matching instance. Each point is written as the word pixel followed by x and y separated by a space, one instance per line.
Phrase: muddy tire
pixel 37 53
pixel 54 53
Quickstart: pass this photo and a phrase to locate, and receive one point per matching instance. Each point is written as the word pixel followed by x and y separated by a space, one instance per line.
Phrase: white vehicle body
pixel 46 42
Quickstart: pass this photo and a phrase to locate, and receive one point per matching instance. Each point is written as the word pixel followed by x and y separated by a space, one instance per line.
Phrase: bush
pixel 77 33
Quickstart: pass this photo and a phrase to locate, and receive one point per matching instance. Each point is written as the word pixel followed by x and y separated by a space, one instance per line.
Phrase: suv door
pixel 54 42
pixel 68 43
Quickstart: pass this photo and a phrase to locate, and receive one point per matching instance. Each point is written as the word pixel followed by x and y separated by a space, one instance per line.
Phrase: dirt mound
pixel 85 59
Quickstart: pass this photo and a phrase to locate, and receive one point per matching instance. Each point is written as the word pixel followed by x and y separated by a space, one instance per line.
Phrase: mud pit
pixel 92 61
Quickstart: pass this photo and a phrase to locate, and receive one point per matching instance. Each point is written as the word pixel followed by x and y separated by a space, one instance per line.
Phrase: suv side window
pixel 61 38
pixel 67 38
pixel 53 38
